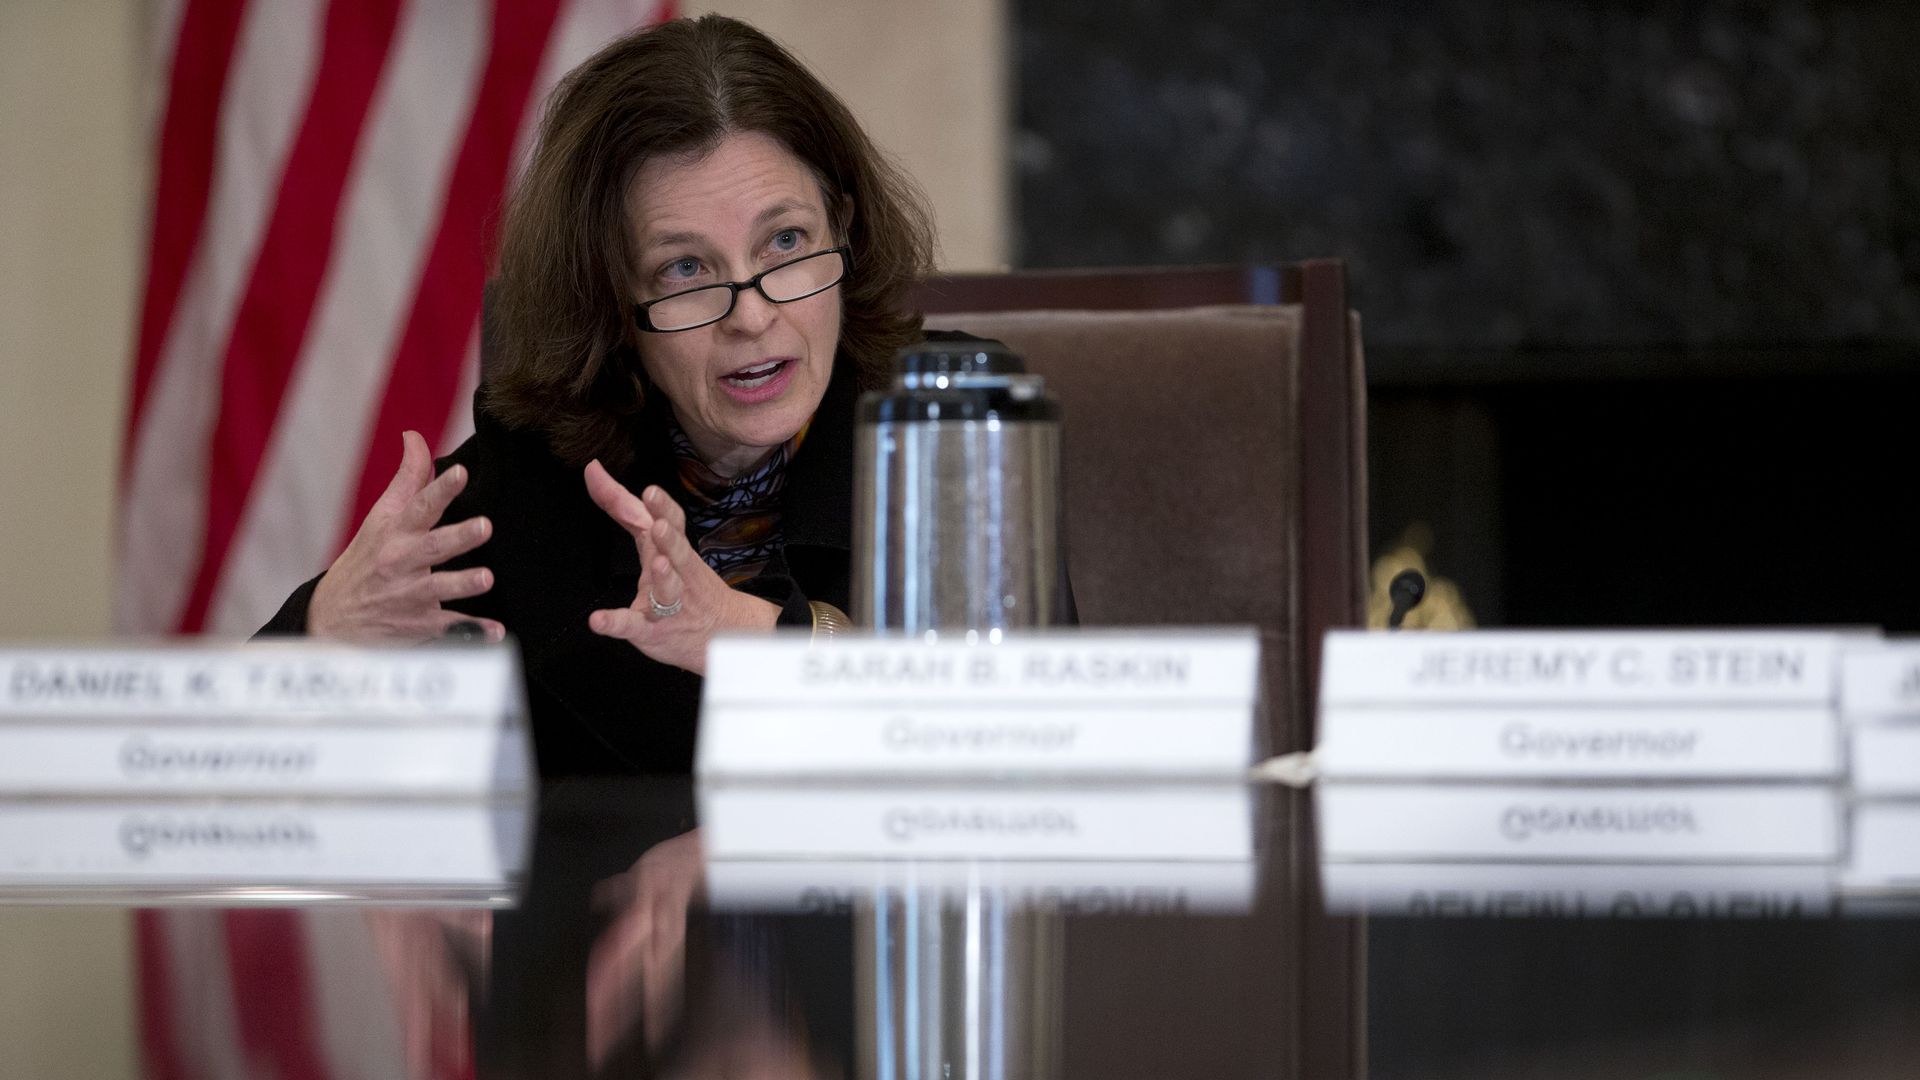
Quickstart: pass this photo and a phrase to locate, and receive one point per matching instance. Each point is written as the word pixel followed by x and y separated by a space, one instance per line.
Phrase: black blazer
pixel 598 704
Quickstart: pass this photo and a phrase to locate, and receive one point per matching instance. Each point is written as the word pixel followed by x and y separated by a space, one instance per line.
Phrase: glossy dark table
pixel 612 961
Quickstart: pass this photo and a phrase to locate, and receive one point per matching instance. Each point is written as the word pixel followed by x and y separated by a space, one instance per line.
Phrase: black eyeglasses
pixel 795 279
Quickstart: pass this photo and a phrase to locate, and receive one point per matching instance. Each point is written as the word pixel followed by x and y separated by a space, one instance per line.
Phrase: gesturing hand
pixel 680 603
pixel 383 587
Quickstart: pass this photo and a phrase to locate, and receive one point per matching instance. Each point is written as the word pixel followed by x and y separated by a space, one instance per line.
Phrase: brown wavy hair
pixel 564 350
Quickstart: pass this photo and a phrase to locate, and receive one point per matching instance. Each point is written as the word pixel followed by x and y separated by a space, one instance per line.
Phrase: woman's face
pixel 743 385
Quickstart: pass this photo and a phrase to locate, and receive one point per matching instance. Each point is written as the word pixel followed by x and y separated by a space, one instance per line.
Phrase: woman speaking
pixel 704 264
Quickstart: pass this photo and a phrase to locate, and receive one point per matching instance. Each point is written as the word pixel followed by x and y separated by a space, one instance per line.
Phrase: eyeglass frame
pixel 735 288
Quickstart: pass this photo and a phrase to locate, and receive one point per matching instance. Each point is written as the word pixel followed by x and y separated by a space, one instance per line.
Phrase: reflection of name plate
pixel 1563 891
pixel 1638 823
pixel 1070 887
pixel 1085 849
pixel 1005 822
pixel 1168 703
pixel 1516 741
pixel 328 849
pixel 272 718
pixel 1521 667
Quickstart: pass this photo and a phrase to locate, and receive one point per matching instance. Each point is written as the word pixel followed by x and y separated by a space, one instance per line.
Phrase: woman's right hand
pixel 383 588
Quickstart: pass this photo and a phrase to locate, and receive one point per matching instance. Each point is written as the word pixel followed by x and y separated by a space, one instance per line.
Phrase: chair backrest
pixel 1216 463
pixel 1214 448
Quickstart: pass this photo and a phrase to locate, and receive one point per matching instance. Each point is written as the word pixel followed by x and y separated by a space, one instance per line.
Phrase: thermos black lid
pixel 965 357
pixel 960 379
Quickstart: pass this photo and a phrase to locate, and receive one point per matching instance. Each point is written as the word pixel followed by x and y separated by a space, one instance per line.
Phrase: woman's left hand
pixel 672 578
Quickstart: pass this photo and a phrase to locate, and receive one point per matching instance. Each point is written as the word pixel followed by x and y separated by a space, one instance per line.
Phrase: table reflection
pixel 1118 930
pixel 1584 850
pixel 240 852
pixel 805 931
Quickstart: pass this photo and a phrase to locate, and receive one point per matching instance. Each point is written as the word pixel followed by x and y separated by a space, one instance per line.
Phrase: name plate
pixel 280 718
pixel 1885 853
pixel 1166 703
pixel 1545 742
pixel 287 679
pixel 1508 667
pixel 1881 682
pixel 1623 823
pixel 1886 758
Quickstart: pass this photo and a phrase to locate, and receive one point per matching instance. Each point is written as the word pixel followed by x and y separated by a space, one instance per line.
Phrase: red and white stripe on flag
pixel 328 176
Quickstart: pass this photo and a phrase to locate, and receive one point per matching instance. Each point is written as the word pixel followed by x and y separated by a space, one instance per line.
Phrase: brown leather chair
pixel 1214 447
pixel 1215 473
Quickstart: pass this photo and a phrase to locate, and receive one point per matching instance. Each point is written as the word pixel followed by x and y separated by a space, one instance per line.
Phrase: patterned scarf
pixel 735 523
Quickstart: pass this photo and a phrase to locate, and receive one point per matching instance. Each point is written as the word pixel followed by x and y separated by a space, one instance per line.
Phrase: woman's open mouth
pixel 759 382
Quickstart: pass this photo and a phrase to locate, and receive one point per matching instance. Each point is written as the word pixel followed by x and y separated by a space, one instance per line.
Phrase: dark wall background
pixel 1640 281
pixel 1495 174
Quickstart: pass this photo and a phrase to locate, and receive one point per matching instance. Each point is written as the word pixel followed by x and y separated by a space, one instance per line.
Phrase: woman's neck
pixel 728 460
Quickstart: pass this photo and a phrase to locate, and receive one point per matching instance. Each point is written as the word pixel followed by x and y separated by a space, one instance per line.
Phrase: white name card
pixel 1881 682
pixel 1886 758
pixel 1487 667
pixel 268 758
pixel 279 718
pixel 1885 853
pixel 1627 823
pixel 285 679
pixel 1165 703
pixel 1570 742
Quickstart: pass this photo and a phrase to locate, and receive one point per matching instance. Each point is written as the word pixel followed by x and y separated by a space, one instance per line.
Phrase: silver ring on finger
pixel 664 611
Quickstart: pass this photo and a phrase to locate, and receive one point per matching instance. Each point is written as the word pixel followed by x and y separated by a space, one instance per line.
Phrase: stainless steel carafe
pixel 956 507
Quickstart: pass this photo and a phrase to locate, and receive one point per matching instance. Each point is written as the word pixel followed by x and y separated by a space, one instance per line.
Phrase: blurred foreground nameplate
pixel 1880 705
pixel 1534 667
pixel 1136 848
pixel 1561 742
pixel 270 718
pixel 1166 703
pixel 1886 758
pixel 1882 681
pixel 242 852
pixel 1884 856
pixel 1776 823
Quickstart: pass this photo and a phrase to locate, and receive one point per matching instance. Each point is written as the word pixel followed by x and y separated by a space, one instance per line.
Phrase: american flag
pixel 328 177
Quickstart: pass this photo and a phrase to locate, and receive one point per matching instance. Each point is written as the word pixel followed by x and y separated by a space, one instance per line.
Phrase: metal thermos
pixel 956 508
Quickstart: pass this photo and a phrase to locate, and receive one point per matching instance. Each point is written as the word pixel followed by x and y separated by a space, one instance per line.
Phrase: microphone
pixel 1407 589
